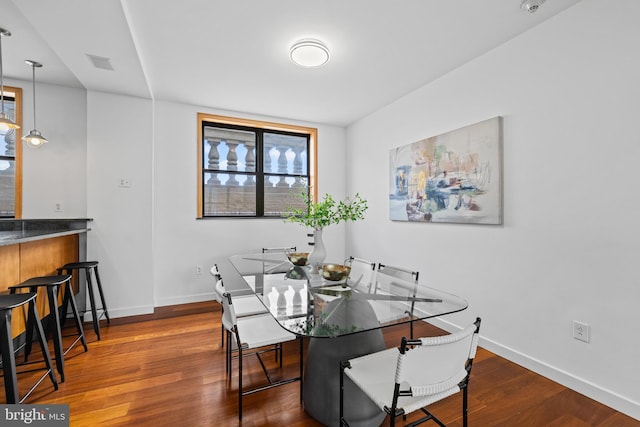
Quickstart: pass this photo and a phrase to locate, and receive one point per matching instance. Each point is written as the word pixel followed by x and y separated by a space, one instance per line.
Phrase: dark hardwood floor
pixel 168 369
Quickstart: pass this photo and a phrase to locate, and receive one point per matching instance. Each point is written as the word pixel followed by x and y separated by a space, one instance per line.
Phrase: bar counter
pixel 13 231
pixel 38 247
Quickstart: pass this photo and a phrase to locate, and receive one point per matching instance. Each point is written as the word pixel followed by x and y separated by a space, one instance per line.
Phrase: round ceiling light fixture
pixel 309 53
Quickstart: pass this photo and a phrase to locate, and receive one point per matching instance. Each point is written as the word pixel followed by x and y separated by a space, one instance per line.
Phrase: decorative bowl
pixel 298 258
pixel 335 272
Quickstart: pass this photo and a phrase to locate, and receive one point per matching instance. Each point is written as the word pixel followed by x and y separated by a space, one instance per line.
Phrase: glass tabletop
pixel 306 304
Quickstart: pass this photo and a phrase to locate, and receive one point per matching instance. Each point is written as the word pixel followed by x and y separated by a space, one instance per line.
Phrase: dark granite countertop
pixel 13 231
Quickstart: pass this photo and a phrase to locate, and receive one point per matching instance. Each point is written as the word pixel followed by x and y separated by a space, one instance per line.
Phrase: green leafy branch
pixel 327 212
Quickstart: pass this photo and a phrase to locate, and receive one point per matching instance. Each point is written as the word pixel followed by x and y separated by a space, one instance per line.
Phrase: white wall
pixel 568 91
pixel 54 173
pixel 181 242
pixel 119 145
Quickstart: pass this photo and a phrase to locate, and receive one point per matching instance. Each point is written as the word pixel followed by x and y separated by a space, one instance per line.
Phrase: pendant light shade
pixel 34 139
pixel 5 121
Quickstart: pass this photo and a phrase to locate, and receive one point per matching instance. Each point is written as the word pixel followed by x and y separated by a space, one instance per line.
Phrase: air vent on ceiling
pixel 101 62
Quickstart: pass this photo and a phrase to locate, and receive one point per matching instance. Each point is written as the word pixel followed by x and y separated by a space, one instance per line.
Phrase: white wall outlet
pixel 581 331
pixel 124 182
pixel 57 207
pixel 198 270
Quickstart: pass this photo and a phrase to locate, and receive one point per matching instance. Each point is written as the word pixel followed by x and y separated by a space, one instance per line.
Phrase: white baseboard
pixel 600 394
pixel 121 312
pixel 187 299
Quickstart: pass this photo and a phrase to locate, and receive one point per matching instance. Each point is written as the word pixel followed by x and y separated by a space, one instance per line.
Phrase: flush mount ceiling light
pixel 5 121
pixel 35 138
pixel 309 53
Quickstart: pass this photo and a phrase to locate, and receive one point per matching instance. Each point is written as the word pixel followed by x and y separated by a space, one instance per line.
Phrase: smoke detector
pixel 531 5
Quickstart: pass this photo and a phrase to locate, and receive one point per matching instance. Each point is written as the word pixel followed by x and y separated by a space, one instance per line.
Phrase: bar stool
pixel 88 267
pixel 7 304
pixel 52 285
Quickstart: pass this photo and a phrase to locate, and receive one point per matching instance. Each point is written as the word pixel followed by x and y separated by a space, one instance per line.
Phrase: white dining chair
pixel 394 282
pixel 254 336
pixel 245 305
pixel 362 274
pixel 421 372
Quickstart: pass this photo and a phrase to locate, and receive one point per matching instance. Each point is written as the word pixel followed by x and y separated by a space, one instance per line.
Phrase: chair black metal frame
pixel 8 351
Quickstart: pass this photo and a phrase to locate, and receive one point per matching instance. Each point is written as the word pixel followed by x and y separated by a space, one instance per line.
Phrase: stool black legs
pixel 52 297
pixel 51 284
pixel 7 304
pixel 88 267
pixel 8 358
pixel 94 311
pixel 102 301
pixel 68 297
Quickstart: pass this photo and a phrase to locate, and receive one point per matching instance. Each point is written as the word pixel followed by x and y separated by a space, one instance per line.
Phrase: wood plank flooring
pixel 168 369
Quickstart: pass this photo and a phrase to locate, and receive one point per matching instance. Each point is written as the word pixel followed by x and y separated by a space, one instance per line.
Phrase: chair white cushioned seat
pixel 261 330
pixel 248 305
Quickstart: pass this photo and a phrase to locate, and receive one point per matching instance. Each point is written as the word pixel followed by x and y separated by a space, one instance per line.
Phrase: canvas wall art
pixel 455 177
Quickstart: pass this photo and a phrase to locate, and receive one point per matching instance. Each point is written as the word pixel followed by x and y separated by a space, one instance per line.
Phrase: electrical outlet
pixel 198 270
pixel 581 331
pixel 57 207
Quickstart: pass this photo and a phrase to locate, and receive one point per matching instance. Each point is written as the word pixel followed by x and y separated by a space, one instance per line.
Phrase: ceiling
pixel 233 54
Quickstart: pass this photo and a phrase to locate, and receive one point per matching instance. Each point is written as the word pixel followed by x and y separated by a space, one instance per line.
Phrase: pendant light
pixel 35 138
pixel 5 121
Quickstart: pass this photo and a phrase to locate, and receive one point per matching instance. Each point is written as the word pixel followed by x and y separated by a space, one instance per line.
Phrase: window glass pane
pixel 229 194
pixel 229 149
pixel 252 168
pixel 278 198
pixel 285 154
pixel 8 136
pixel 7 186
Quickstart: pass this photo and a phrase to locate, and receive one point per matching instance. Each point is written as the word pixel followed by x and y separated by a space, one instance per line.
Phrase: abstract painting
pixel 455 177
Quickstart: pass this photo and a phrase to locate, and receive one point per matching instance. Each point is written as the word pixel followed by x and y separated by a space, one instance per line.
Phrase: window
pixel 11 157
pixel 249 168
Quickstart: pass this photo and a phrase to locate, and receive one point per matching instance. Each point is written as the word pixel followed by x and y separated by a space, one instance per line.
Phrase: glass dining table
pixel 343 320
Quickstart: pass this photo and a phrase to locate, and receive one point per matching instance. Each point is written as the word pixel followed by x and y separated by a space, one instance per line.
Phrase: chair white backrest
pixel 395 282
pixel 244 305
pixel 229 318
pixel 419 373
pixel 216 277
pixel 362 274
pixel 253 331
pixel 438 363
pixel 284 249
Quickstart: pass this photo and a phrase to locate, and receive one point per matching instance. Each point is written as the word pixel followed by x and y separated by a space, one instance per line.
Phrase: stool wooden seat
pixel 7 304
pixel 88 267
pixel 52 284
